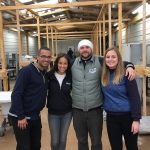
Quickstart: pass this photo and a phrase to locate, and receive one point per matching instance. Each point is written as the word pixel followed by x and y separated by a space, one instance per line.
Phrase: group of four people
pixel 80 89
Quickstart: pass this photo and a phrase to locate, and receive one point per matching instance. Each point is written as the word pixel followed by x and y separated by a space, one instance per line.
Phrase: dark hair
pixel 61 55
pixel 43 48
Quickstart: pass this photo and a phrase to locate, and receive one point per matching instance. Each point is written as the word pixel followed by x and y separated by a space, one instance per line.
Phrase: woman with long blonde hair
pixel 121 102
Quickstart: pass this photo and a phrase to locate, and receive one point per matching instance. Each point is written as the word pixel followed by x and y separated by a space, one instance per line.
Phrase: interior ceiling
pixel 63 15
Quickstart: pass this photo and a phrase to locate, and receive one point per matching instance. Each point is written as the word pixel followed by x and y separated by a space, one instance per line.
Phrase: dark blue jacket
pixel 29 94
pixel 59 100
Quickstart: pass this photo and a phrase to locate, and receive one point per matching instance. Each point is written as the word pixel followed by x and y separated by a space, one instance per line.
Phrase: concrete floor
pixel 7 142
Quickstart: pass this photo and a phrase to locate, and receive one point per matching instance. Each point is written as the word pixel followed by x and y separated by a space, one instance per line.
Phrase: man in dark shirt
pixel 28 99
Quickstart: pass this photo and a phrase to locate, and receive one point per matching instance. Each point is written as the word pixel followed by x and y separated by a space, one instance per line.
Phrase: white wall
pixel 135 32
pixel 11 43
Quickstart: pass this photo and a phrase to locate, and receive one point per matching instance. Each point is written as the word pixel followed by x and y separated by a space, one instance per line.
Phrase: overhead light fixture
pixel 53 16
pixel 114 6
pixel 115 24
pixel 25 1
pixel 13 29
pixel 61 15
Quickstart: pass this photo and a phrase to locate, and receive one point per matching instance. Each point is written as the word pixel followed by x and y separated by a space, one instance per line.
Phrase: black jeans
pixel 88 122
pixel 119 126
pixel 29 138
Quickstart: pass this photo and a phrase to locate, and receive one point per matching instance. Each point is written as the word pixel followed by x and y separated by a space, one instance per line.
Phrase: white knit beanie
pixel 85 42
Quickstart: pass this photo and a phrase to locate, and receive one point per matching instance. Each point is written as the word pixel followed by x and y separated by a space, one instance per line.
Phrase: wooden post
pixel 3 58
pixel 27 41
pixel 144 57
pixel 56 43
pixel 104 45
pixel 100 40
pixel 47 35
pixel 96 36
pixel 38 29
pixel 120 27
pixel 52 39
pixel 19 37
pixel 110 34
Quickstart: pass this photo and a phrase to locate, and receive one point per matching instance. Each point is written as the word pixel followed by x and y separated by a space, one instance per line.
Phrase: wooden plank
pixel 104 40
pixel 3 58
pixel 120 27
pixel 65 23
pixel 110 32
pixel 100 40
pixel 60 5
pixel 38 30
pixel 19 37
pixel 56 43
pixel 27 43
pixel 142 70
pixel 144 57
pixel 52 42
pixel 47 35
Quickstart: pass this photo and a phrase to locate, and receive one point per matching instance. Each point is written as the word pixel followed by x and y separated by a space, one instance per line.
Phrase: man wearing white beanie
pixel 87 97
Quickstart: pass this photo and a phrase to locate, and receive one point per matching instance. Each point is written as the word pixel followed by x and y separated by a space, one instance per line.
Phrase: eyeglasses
pixel 45 57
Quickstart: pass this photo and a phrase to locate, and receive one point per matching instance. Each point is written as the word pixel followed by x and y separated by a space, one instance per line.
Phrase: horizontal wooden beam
pixel 141 70
pixel 62 33
pixel 59 5
pixel 64 23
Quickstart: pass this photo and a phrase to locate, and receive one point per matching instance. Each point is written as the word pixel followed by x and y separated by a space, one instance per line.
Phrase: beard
pixel 86 57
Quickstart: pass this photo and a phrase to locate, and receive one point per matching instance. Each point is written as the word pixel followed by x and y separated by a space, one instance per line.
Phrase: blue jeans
pixel 88 122
pixel 59 125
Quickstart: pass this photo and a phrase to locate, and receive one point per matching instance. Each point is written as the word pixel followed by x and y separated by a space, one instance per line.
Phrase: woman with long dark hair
pixel 59 101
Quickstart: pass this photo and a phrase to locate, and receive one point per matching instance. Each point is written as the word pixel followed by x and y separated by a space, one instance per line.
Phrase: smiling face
pixel 62 65
pixel 85 52
pixel 111 59
pixel 43 59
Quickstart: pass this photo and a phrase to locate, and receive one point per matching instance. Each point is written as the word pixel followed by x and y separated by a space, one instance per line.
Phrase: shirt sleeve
pixel 134 97
pixel 128 64
pixel 18 92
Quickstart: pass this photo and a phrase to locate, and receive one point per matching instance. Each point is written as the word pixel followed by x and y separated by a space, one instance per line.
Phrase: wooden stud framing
pixel 38 29
pixel 97 44
pixel 19 37
pixel 60 5
pixel 100 40
pixel 3 58
pixel 120 26
pixel 110 32
pixel 144 57
pixel 104 40
pixel 56 43
pixel 27 43
pixel 47 35
pixel 52 42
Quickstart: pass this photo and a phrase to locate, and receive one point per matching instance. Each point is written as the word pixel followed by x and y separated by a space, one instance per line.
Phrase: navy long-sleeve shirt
pixel 29 93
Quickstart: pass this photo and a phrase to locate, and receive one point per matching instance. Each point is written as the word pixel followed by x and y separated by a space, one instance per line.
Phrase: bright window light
pixel 25 1
pixel 140 9
pixel 49 2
